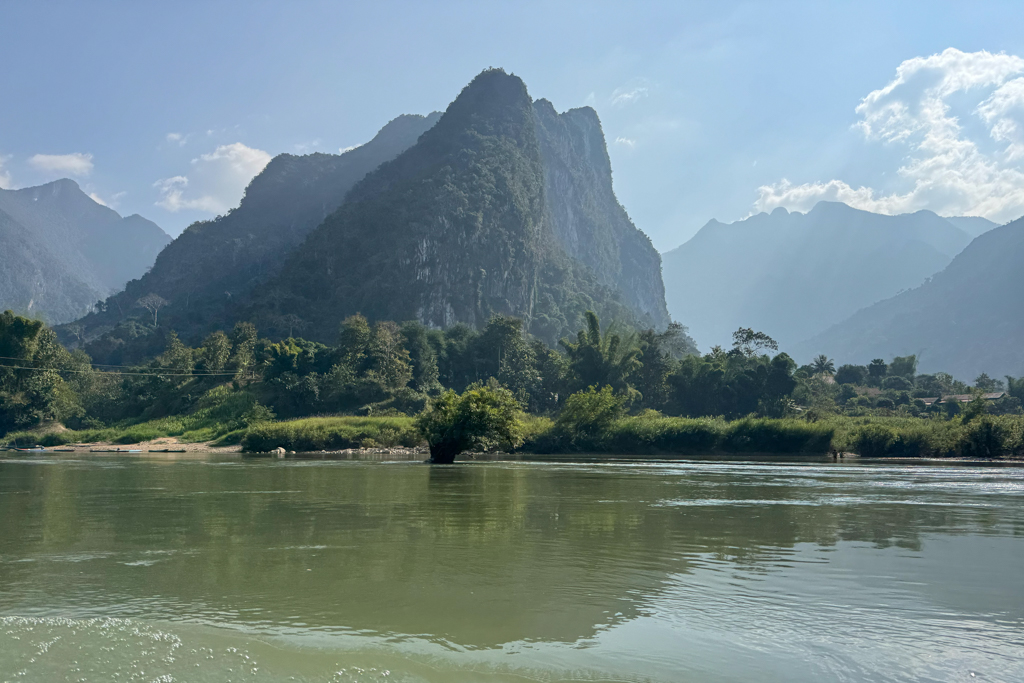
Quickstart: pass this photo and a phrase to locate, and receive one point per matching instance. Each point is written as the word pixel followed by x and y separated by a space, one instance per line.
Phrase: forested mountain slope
pixel 965 320
pixel 213 263
pixel 792 275
pixel 456 229
pixel 63 251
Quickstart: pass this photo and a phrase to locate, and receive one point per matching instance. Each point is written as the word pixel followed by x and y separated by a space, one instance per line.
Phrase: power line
pixel 127 374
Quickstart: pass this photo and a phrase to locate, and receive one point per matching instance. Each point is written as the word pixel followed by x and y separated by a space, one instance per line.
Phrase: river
pixel 209 568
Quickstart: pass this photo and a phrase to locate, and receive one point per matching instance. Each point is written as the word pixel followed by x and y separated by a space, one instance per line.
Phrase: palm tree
pixel 823 365
pixel 597 360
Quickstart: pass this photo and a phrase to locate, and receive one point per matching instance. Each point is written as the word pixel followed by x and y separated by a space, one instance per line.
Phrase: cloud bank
pixel 960 116
pixel 76 164
pixel 216 181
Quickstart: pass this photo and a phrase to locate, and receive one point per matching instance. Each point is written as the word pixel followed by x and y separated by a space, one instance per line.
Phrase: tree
pixel 903 366
pixel 596 359
pixel 389 359
pixel 656 364
pixel 823 365
pixel 422 356
pixel 504 353
pixel 1015 387
pixel 243 353
pixel 897 383
pixel 851 374
pixel 213 355
pixel 876 371
pixel 987 384
pixel 153 303
pixel 177 357
pixel 354 341
pixel 748 342
pixel 484 417
pixel 34 390
pixel 293 322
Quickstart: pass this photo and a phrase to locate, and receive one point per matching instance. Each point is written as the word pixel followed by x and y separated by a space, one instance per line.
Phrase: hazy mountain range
pixel 61 251
pixel 793 275
pixel 965 320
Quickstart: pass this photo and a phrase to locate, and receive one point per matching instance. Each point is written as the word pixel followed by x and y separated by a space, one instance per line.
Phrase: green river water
pixel 227 569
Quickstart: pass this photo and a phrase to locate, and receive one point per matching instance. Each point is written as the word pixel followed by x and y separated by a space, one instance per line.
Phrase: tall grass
pixel 647 434
pixel 218 415
pixel 331 433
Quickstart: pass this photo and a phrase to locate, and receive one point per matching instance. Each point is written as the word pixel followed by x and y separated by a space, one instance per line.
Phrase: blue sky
pixel 711 110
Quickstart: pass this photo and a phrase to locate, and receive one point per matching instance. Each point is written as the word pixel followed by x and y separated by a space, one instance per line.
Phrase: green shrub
pixel 483 417
pixel 776 436
pixel 587 414
pixel 984 438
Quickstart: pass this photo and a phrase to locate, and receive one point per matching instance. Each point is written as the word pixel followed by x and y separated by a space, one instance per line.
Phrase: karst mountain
pixel 500 205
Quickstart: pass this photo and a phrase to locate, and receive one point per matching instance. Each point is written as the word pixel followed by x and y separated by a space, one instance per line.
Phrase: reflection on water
pixel 217 569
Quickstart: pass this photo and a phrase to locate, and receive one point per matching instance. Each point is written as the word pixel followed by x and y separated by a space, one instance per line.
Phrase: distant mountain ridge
pixel 972 225
pixel 965 320
pixel 63 251
pixel 792 275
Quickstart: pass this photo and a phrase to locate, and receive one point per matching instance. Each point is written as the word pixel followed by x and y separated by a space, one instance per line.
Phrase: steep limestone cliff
pixel 585 216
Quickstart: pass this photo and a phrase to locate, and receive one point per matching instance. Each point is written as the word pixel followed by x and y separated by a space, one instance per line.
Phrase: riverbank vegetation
pixel 610 390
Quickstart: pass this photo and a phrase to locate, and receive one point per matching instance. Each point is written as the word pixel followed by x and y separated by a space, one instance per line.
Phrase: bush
pixel 777 436
pixel 897 383
pixel 589 413
pixel 984 438
pixel 483 417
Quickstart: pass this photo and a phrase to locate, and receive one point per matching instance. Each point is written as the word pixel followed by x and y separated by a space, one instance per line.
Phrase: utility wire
pixel 128 374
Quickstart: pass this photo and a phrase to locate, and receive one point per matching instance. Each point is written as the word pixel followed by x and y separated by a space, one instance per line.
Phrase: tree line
pixel 388 368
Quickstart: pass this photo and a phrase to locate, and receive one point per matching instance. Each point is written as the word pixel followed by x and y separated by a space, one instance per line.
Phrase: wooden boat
pixel 167 450
pixel 63 450
pixel 38 449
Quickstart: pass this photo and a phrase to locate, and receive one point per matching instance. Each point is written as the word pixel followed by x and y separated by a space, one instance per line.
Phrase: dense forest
pixel 611 388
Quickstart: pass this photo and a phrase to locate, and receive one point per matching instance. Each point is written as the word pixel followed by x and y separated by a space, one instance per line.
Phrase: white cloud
pixel 925 109
pixel 177 139
pixel 216 181
pixel 112 202
pixel 5 176
pixel 624 96
pixel 76 164
pixel 625 142
pixel 306 147
pixel 348 149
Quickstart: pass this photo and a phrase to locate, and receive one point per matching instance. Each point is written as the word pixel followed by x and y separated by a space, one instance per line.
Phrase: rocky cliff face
pixel 460 227
pixel 68 250
pixel 585 216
